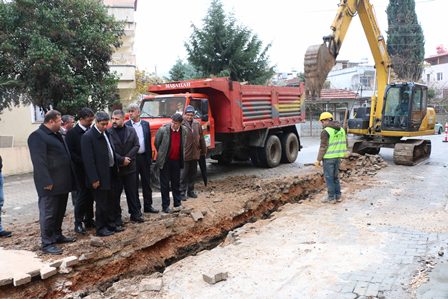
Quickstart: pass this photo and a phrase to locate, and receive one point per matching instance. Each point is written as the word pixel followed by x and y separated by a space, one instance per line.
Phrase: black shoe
pixel 192 194
pixel 80 229
pixel 167 210
pixel 64 239
pixel 51 249
pixel 183 197
pixel 151 210
pixel 138 219
pixel 117 228
pixel 89 224
pixel 5 234
pixel 104 232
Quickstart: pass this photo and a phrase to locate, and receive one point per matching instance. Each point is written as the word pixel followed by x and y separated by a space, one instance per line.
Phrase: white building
pixel 123 60
pixel 17 124
pixel 354 76
pixel 435 74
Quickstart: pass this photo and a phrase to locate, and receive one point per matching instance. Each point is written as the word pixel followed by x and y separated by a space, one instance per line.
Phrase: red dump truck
pixel 240 122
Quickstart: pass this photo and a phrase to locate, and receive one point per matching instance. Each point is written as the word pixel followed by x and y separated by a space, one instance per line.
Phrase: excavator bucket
pixel 318 63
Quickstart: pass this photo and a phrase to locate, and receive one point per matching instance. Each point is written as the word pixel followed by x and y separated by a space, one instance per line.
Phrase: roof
pixel 121 3
pixel 337 94
pixel 434 57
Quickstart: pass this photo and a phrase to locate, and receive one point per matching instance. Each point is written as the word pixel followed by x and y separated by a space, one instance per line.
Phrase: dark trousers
pixel 331 174
pixel 83 206
pixel 144 172
pixel 170 175
pixel 51 214
pixel 188 176
pixel 104 209
pixel 128 183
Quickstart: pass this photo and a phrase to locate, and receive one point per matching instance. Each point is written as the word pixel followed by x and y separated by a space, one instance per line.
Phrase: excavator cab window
pixel 404 107
pixel 397 105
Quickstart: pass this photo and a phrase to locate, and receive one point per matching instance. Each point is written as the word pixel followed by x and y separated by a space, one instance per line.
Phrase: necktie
pixel 109 152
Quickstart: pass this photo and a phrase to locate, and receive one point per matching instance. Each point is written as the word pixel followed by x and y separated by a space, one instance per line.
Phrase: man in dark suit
pixel 84 198
pixel 54 179
pixel 144 156
pixel 126 145
pixel 101 170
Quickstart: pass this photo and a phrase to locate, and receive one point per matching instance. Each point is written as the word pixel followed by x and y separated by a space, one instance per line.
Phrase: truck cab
pixel 158 109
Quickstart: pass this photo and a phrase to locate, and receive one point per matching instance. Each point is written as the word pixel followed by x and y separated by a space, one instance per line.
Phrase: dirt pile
pixel 358 165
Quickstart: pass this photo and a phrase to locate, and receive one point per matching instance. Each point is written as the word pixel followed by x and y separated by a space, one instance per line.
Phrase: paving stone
pixel 56 263
pixel 214 278
pixel 47 272
pixel 151 284
pixel 361 288
pixel 197 216
pixel 5 281
pixel 372 290
pixel 33 273
pixel 70 261
pixel 348 287
pixel 21 278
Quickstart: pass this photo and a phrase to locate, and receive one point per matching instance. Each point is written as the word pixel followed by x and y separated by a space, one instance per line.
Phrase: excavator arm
pixel 320 59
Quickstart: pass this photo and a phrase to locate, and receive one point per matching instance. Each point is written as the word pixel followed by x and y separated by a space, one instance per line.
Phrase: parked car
pixel 438 128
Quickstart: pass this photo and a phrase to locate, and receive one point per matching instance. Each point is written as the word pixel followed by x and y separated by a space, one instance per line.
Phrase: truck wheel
pixel 271 154
pixel 290 147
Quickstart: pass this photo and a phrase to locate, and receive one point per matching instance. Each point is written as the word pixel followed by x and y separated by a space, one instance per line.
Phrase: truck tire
pixel 270 155
pixel 290 147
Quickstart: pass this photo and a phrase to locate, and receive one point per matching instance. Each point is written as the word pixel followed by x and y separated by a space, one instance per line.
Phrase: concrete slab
pixel 18 265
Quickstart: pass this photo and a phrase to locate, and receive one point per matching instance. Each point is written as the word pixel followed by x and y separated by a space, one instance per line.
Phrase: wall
pixel 16 160
pixel 17 122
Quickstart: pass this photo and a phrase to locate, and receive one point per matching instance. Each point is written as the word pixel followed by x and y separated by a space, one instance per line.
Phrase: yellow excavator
pixel 398 110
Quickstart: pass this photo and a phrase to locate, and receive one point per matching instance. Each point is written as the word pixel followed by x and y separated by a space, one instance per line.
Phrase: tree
pixel 405 40
pixel 55 53
pixel 223 48
pixel 182 71
pixel 142 81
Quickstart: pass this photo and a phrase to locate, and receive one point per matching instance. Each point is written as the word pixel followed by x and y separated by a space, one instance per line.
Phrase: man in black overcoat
pixel 84 199
pixel 54 179
pixel 126 145
pixel 101 170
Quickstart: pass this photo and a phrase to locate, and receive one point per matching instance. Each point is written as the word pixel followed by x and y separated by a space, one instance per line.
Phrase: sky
pixel 290 26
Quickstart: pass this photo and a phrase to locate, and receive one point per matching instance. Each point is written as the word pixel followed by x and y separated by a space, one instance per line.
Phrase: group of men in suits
pixel 97 162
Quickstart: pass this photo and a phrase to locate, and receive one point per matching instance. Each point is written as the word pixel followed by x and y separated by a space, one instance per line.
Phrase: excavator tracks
pixel 412 151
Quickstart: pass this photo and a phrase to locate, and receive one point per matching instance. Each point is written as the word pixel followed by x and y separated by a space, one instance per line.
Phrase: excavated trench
pixel 154 245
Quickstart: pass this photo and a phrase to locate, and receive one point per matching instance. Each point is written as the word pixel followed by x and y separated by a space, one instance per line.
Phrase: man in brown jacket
pixel 195 148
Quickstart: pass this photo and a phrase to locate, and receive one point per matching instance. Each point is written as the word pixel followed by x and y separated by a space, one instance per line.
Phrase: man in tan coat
pixel 195 148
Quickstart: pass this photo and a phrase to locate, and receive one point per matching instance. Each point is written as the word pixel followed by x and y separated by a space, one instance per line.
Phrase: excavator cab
pixel 404 107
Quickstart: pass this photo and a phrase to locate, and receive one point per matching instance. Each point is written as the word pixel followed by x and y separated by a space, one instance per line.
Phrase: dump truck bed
pixel 239 108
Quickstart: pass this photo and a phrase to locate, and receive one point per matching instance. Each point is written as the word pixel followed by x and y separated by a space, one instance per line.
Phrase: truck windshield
pixel 163 107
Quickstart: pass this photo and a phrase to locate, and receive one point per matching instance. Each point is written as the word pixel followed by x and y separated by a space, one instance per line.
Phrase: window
pixel 439 76
pixel 428 77
pixel 163 107
pixel 417 100
pixel 37 114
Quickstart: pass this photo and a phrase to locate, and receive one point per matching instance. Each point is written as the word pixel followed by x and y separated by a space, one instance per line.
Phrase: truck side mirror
pixel 204 110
